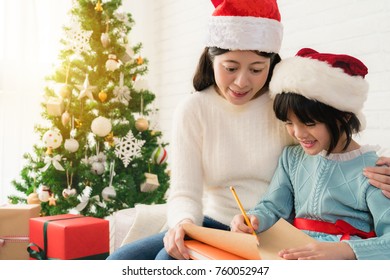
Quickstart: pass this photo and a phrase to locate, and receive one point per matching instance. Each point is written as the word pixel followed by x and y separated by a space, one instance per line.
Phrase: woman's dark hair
pixel 204 74
pixel 311 111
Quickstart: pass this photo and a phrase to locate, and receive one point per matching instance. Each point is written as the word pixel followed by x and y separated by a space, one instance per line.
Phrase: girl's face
pixel 240 75
pixel 313 137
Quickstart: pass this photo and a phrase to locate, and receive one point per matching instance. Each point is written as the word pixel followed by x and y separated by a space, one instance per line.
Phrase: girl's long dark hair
pixel 311 111
pixel 204 74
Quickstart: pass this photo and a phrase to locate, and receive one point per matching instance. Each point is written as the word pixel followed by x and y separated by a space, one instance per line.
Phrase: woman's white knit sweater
pixel 215 145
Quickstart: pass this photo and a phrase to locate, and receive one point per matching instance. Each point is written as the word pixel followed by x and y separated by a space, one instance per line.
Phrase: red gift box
pixel 69 237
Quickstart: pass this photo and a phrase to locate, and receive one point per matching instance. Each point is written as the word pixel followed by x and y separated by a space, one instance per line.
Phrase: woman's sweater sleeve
pixel 186 190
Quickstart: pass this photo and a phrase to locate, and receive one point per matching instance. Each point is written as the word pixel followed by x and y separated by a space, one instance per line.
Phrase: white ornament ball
pixel 97 168
pixel 108 193
pixel 52 139
pixel 101 126
pixel 159 155
pixel 71 145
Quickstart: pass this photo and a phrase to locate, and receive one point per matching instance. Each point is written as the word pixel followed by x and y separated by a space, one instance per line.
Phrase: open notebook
pixel 214 244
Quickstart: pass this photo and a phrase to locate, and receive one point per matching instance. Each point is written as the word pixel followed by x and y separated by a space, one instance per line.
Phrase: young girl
pixel 318 184
pixel 220 132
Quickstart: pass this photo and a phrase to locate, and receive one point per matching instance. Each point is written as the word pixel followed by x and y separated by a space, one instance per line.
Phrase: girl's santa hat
pixel 245 25
pixel 333 79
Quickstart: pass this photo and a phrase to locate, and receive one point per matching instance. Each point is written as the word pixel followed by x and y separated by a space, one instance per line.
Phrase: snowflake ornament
pixel 77 38
pixel 128 148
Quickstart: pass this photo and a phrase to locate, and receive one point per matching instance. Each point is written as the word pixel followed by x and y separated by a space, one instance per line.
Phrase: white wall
pixel 172 33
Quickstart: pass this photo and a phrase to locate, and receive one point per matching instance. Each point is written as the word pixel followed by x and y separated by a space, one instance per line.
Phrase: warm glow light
pixel 30 34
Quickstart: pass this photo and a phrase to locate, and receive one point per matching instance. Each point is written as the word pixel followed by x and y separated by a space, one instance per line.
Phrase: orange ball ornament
pixel 141 124
pixel 33 198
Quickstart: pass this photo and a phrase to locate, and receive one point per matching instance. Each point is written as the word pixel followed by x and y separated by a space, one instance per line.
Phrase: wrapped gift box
pixel 55 106
pixel 14 230
pixel 69 237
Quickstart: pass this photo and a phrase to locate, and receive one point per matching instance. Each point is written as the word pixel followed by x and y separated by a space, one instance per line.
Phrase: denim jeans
pixel 152 247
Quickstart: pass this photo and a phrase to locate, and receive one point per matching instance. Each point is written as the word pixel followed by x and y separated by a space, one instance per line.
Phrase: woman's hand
pixel 238 224
pixel 174 241
pixel 320 251
pixel 379 176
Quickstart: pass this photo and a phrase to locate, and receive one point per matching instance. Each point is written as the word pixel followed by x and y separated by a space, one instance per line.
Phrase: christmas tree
pixel 99 153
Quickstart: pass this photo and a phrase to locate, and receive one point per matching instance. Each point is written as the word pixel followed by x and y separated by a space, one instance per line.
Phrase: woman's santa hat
pixel 245 25
pixel 333 79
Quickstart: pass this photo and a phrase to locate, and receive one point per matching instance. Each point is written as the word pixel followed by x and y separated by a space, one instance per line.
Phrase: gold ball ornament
pixel 64 91
pixel 33 198
pixel 102 96
pixel 141 124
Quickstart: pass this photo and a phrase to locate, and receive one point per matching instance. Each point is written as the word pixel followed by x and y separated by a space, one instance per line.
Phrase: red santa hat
pixel 245 25
pixel 333 79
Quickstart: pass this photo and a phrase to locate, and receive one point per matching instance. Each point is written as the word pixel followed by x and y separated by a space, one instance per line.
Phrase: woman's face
pixel 240 75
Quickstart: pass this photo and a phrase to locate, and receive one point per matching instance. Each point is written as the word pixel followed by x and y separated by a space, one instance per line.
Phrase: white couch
pixel 130 224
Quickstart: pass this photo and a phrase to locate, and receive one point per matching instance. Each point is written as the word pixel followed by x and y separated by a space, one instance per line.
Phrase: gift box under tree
pixel 69 237
pixel 14 230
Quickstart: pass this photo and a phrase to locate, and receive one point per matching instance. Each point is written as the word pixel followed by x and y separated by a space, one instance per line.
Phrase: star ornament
pixel 86 90
pixel 52 200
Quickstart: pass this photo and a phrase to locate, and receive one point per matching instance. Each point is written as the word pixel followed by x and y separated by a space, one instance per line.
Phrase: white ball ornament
pixel 108 193
pixel 71 145
pixel 52 139
pixel 97 168
pixel 101 126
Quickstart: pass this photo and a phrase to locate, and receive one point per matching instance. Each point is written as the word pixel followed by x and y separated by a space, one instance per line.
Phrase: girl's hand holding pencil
pixel 242 222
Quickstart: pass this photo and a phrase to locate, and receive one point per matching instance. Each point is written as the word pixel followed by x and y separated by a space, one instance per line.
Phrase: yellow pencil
pixel 243 211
